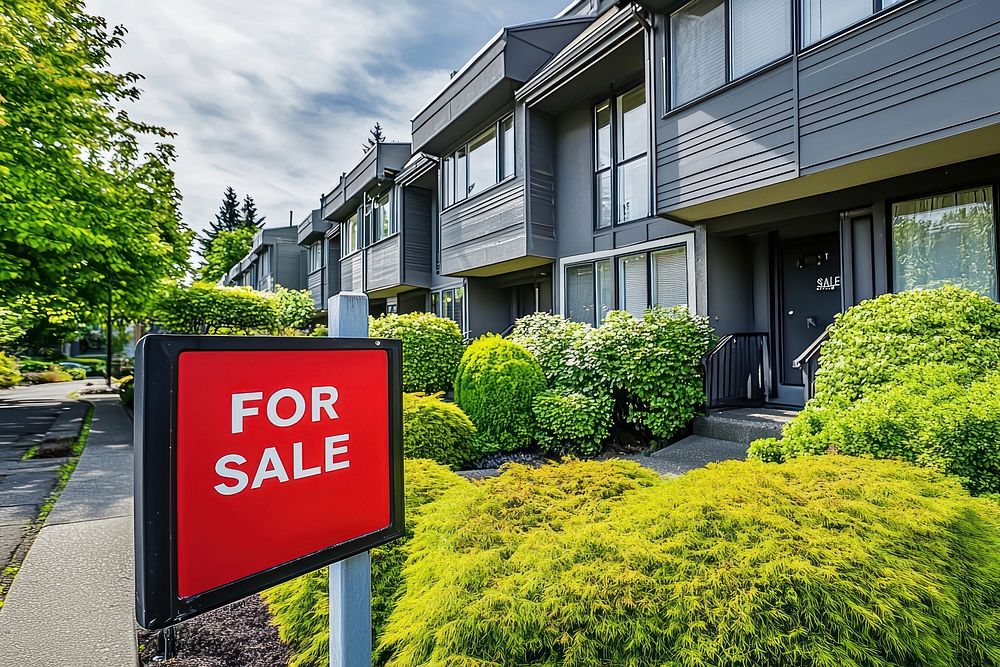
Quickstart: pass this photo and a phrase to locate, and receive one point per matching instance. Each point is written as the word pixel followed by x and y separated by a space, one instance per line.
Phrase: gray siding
pixel 352 273
pixel 287 263
pixel 382 264
pixel 575 182
pixel 928 71
pixel 741 139
pixel 314 283
pixel 485 230
pixel 541 192
pixel 417 260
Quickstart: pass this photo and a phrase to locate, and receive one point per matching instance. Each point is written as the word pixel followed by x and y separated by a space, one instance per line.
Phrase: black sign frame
pixel 157 603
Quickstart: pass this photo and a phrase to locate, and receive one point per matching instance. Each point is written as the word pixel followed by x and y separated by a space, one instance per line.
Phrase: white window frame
pixel 686 239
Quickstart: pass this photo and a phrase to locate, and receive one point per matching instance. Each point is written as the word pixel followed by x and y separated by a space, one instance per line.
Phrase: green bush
pixel 35 365
pixel 821 561
pixel 434 429
pixel 295 308
pixel 206 309
pixel 47 377
pixel 75 372
pixel 126 389
pixel 568 422
pixel 562 348
pixel 10 374
pixel 96 364
pixel 432 348
pixel 300 607
pixel 933 416
pixel 870 342
pixel 496 383
pixel 653 365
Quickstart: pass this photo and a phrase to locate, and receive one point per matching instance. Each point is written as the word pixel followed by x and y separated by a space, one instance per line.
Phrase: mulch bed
pixel 237 634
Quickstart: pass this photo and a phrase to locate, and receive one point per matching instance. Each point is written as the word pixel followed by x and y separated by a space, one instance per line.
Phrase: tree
pixel 375 139
pixel 226 220
pixel 248 214
pixel 87 215
pixel 227 248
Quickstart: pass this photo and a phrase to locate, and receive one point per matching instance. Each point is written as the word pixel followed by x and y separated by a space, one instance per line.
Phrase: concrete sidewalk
pixel 72 602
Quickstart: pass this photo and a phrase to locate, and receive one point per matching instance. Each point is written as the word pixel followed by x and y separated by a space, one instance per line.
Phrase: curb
pixel 58 441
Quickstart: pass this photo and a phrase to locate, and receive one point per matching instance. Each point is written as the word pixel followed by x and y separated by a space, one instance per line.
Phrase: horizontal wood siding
pixel 382 264
pixel 352 273
pixel 417 262
pixel 487 230
pixel 925 72
pixel 741 139
pixel 314 283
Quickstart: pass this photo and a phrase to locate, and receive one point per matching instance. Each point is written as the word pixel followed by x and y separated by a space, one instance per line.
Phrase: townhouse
pixel 275 259
pixel 767 163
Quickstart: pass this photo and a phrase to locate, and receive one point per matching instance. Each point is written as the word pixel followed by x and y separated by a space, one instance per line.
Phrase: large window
pixel 350 236
pixel 379 220
pixel 713 42
pixel 642 280
pixel 947 239
pixel 480 164
pixel 621 147
pixel 821 18
pixel 315 257
pixel 450 303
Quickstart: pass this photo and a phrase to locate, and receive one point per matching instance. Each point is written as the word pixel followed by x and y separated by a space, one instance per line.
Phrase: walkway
pixel 72 602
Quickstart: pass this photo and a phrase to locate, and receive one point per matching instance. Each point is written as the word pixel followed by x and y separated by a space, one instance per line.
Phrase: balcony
pixel 313 228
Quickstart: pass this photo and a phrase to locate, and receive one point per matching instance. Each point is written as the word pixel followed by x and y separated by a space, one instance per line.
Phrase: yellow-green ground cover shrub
pixel 830 560
pixel 46 377
pixel 434 429
pixel 432 348
pixel 496 383
pixel 10 374
pixel 301 607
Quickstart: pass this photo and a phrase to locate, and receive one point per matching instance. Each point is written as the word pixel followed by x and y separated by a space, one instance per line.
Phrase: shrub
pixel 75 372
pixel 126 389
pixel 10 374
pixel 36 365
pixel 46 377
pixel 432 348
pixel 821 561
pixel 496 383
pixel 300 607
pixel 433 429
pixel 96 364
pixel 562 349
pixel 932 416
pixel 294 308
pixel 870 342
pixel 654 366
pixel 568 422
pixel 205 309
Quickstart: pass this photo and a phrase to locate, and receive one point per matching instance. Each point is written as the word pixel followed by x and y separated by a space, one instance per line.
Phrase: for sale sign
pixel 259 459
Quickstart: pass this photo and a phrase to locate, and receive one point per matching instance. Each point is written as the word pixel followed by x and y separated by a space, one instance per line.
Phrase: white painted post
pixel 351 579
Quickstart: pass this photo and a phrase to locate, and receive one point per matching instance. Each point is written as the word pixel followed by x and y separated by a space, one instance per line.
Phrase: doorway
pixel 809 296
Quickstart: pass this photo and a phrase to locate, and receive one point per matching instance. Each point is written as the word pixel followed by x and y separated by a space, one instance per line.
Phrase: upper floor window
pixel 621 164
pixel 315 257
pixel 350 236
pixel 713 42
pixel 821 18
pixel 265 261
pixel 483 162
pixel 379 220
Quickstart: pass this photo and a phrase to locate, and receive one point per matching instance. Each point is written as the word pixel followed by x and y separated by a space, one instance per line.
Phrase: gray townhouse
pixel 275 259
pixel 766 163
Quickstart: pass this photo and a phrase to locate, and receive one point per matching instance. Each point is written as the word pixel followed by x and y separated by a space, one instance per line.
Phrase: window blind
pixel 762 33
pixel 670 277
pixel 580 293
pixel 698 46
pixel 825 17
pixel 634 284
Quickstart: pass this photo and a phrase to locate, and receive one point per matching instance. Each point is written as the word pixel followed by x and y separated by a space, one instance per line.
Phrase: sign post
pixel 350 579
pixel 259 460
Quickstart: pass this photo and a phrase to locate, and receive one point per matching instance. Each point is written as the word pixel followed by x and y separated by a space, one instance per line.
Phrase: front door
pixel 809 296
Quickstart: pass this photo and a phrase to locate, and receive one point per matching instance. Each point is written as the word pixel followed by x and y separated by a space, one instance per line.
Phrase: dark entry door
pixel 809 296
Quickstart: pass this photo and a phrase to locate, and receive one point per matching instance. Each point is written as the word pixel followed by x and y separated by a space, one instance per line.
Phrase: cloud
pixel 276 98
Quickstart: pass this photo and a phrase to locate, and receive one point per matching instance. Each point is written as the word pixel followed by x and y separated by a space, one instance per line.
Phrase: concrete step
pixel 690 453
pixel 744 425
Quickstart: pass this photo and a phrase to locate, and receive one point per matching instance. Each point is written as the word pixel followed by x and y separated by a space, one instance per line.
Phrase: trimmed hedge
pixel 870 342
pixel 432 348
pixel 567 422
pixel 496 383
pixel 301 607
pixel 10 373
pixel 821 561
pixel 434 429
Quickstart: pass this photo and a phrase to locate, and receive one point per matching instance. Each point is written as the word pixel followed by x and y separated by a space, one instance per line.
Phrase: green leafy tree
pixel 87 215
pixel 295 308
pixel 225 250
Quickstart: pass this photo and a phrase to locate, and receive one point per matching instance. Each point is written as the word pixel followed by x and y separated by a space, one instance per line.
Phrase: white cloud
pixel 276 98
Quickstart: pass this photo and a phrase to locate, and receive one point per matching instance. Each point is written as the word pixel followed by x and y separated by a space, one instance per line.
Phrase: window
pixel 315 258
pixel 350 236
pixel 265 261
pixel 670 277
pixel 950 238
pixel 621 146
pixel 379 218
pixel 634 284
pixel 590 292
pixel 713 42
pixel 479 164
pixel 821 18
pixel 450 303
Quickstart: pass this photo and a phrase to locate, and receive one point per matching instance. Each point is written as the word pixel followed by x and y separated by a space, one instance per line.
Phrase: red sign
pixel 259 459
pixel 279 455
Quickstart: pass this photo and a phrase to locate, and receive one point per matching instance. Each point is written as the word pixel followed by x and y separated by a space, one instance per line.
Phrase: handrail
pixel 737 371
pixel 808 362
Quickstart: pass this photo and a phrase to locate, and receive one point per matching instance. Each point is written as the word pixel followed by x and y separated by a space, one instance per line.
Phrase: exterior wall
pixel 382 264
pixel 484 230
pixel 288 264
pixel 540 161
pixel 352 270
pixel 488 307
pixel 416 225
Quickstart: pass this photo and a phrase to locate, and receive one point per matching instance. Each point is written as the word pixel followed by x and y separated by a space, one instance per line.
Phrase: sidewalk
pixel 72 602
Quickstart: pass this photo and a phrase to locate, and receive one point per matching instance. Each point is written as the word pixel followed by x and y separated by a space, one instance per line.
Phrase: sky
pixel 276 97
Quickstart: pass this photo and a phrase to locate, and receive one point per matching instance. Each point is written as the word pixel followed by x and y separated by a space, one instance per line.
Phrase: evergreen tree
pixel 248 214
pixel 376 138
pixel 226 220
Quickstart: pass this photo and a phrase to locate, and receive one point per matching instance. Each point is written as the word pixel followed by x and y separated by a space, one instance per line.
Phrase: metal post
pixel 110 335
pixel 351 579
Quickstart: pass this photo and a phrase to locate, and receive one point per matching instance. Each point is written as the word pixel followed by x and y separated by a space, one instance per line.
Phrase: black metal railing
pixel 737 371
pixel 808 363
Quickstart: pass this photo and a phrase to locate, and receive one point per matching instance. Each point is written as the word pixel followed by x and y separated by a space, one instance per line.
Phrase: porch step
pixel 744 425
